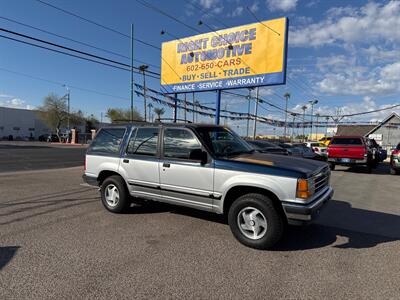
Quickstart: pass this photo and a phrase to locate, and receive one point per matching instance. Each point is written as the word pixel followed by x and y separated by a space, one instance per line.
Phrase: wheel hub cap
pixel 112 195
pixel 252 223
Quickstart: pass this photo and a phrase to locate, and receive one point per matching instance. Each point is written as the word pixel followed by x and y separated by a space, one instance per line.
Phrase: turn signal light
pixel 304 189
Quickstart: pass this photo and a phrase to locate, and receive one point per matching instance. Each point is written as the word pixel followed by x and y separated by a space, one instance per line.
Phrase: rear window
pixel 346 141
pixel 108 140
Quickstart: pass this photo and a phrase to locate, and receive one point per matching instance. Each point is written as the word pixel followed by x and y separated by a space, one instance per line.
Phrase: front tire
pixel 114 194
pixel 255 221
pixel 332 166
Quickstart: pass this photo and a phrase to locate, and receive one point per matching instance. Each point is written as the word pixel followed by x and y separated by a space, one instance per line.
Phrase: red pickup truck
pixel 350 151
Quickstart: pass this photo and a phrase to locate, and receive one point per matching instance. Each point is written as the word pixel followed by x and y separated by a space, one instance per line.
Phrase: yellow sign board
pixel 244 56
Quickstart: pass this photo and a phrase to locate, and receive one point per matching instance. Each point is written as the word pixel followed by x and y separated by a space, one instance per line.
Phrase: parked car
pixel 350 151
pixel 395 161
pixel 301 150
pixel 52 138
pixel 209 168
pixel 317 147
pixel 267 147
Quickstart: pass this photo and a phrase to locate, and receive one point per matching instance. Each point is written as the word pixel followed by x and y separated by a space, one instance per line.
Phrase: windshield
pixel 224 142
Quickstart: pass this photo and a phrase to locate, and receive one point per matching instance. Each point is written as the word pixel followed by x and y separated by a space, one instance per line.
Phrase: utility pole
pixel 132 79
pixel 326 132
pixel 312 103
pixel 68 107
pixel 304 107
pixel 143 69
pixel 225 109
pixel 287 96
pixel 316 127
pixel 255 112
pixel 294 116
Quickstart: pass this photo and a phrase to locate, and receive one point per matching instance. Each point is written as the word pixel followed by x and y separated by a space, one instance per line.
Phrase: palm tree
pixel 159 112
pixel 287 97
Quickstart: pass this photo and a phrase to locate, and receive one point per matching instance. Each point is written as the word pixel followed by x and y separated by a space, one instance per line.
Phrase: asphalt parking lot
pixel 20 156
pixel 57 241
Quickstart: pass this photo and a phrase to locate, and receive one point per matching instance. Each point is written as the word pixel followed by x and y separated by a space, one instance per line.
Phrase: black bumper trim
pixel 90 180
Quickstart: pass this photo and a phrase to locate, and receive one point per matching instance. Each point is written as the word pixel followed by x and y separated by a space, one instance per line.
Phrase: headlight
pixel 305 188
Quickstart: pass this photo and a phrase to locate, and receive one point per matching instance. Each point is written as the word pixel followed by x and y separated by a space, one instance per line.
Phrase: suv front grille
pixel 321 180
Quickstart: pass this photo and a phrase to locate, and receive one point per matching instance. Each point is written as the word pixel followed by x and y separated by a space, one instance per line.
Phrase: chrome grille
pixel 321 180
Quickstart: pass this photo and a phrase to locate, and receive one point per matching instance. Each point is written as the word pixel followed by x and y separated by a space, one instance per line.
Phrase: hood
pixel 278 164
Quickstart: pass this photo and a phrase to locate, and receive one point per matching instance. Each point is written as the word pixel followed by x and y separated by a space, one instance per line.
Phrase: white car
pixel 317 148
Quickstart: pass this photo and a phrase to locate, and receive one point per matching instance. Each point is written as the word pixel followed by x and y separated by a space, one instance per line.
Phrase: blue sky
pixel 343 53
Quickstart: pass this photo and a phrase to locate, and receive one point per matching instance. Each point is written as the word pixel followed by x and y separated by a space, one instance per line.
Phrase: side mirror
pixel 198 155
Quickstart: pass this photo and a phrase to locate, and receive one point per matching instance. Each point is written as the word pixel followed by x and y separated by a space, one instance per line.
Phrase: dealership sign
pixel 244 56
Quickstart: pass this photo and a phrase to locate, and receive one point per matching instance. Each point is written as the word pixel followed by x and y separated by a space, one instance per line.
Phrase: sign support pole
pixel 175 107
pixel 218 107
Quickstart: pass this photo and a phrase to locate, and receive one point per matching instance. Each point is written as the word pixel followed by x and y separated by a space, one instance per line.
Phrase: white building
pixel 21 124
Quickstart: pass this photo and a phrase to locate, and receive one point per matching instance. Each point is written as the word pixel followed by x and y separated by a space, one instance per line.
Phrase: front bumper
pixel 300 214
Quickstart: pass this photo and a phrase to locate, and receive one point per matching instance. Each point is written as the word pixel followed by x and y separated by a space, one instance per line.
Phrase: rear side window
pixel 347 141
pixel 145 142
pixel 108 140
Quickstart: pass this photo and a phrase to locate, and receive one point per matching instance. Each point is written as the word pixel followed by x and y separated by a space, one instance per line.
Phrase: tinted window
pixel 108 140
pixel 224 142
pixel 346 141
pixel 178 143
pixel 145 142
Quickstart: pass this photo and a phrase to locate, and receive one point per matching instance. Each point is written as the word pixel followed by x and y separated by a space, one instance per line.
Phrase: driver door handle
pixel 166 165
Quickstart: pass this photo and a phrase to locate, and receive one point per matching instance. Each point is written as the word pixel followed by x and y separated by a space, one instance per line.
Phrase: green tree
pixel 54 112
pixel 159 112
pixel 121 115
pixel 91 122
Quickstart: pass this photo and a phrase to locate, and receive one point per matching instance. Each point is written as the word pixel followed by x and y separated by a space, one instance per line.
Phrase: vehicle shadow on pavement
pixel 342 226
pixel 7 254
pixel 382 169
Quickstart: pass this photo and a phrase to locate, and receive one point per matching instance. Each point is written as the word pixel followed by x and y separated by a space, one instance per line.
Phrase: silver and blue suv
pixel 209 168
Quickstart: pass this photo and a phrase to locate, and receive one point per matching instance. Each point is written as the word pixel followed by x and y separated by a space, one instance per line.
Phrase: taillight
pixel 396 152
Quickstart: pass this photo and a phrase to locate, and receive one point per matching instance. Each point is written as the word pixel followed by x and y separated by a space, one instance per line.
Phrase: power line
pixel 75 41
pixel 71 49
pixel 70 54
pixel 97 24
pixel 148 5
pixel 262 23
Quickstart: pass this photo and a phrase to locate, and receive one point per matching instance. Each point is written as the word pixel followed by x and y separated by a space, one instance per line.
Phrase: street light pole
pixel 304 107
pixel 255 112
pixel 316 128
pixel 312 102
pixel 143 69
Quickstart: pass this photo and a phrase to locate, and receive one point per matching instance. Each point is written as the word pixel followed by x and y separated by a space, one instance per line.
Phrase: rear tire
pixel 114 194
pixel 332 166
pixel 393 171
pixel 255 221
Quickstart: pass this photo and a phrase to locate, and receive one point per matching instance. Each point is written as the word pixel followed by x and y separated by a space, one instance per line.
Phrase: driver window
pixel 178 143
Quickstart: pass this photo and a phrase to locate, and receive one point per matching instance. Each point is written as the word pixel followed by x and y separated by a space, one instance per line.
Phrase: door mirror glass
pixel 198 155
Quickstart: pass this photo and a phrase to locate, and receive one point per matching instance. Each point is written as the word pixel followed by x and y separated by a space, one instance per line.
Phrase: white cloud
pixel 358 80
pixel 14 102
pixel 378 54
pixel 283 5
pixel 370 23
pixel 254 7
pixel 238 11
pixel 212 6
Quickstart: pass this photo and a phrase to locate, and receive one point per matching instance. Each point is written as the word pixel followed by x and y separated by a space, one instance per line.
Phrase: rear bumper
pixel 90 180
pixel 353 161
pixel 300 214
